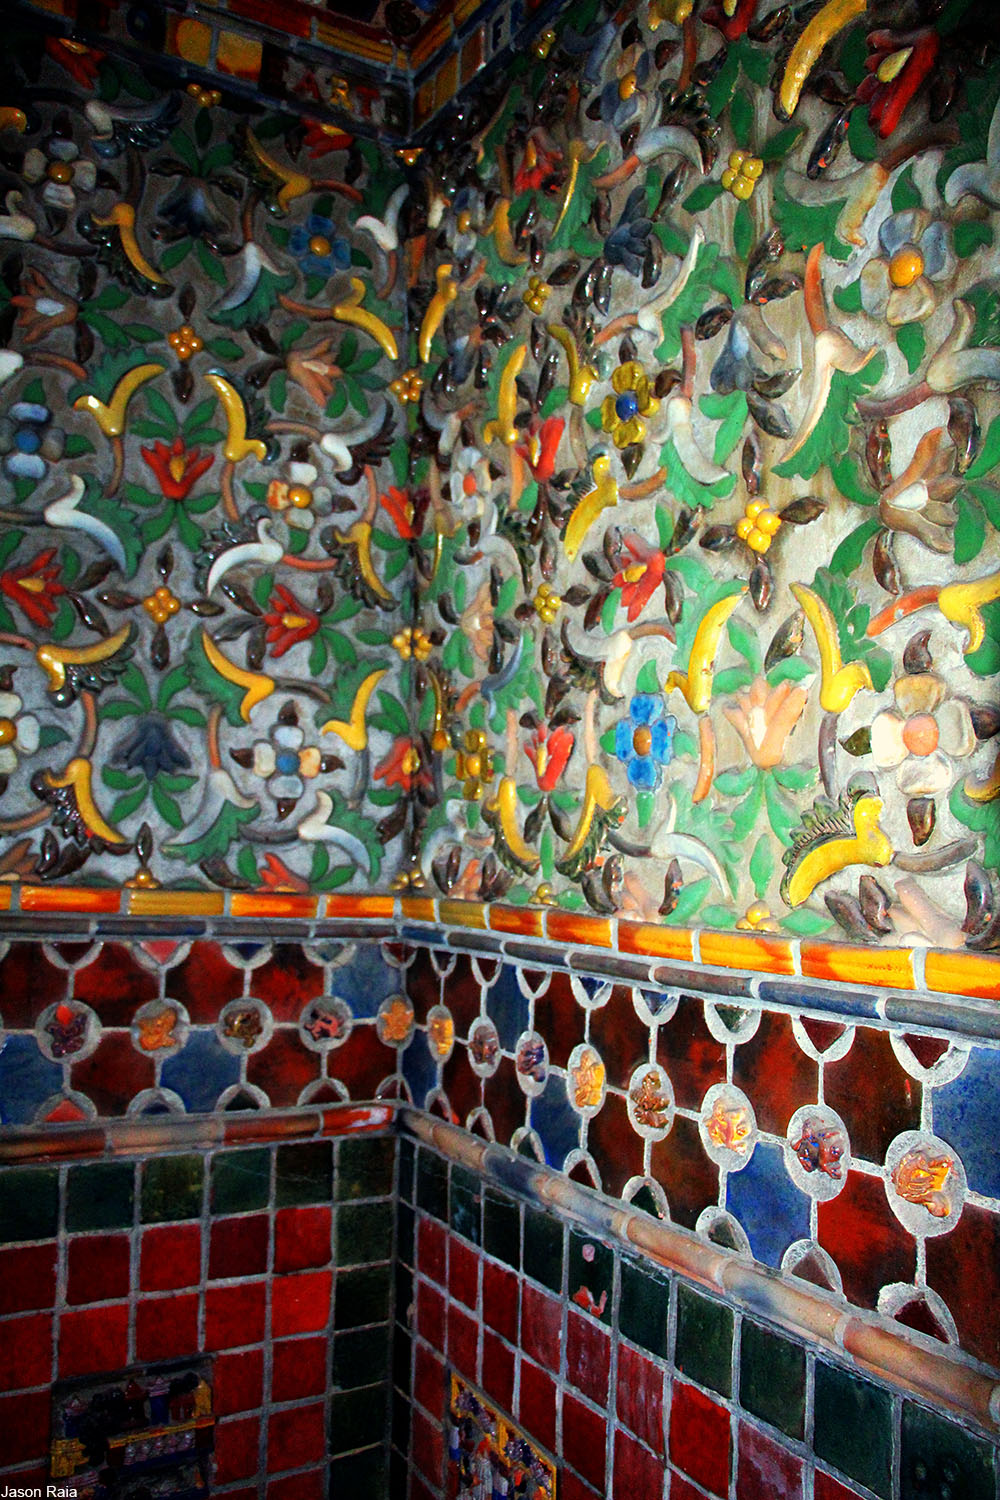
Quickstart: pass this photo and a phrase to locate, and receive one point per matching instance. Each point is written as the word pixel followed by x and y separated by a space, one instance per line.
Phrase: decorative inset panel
pixel 488 1455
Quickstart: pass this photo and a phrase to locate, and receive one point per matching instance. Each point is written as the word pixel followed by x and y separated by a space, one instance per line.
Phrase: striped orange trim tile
pixel 418 908
pixel 69 898
pixel 746 950
pixel 462 914
pixel 254 904
pixel 522 921
pixel 360 906
pixel 889 966
pixel 176 903
pixel 963 974
pixel 648 941
pixel 577 927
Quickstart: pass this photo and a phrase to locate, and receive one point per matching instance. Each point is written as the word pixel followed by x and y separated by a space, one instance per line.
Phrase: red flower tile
pixel 428 1379
pixel 827 1488
pixel 463 1272
pixel 765 1470
pixel 430 1313
pixel 170 1257
pixel 238 1247
pixel 93 1340
pixel 284 1068
pixel 24 1421
pixel 296 1437
pixel 639 1395
pixel 236 1449
pixel 237 1381
pixel 302 1238
pixel 25 1351
pixel 299 1369
pixel 588 1357
pixel 427 1448
pixel 432 1250
pixel 537 1404
pixel 500 1288
pixel 699 1438
pixel 541 1326
pixel 27 1276
pixel 963 1267
pixel 204 982
pixel 113 1074
pixel 637 1471
pixel 584 1433
pixel 29 982
pixel 115 984
pixel 300 1304
pixel 167 1327
pixel 498 1370
pixel 615 1146
pixel 234 1315
pixel 689 1177
pixel 866 1240
pixel 774 1072
pixel 308 1486
pixel 362 1062
pixel 874 1096
pixel 689 1052
pixel 463 1341
pixel 287 982
pixel 98 1268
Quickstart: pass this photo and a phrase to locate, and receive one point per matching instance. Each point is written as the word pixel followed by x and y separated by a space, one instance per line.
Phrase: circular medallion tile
pixel 440 1033
pixel 484 1048
pixel 531 1063
pixel 586 1081
pixel 244 1026
pixel 650 1102
pixel 728 1126
pixel 67 1031
pixel 817 1151
pixel 394 1021
pixel 925 1183
pixel 160 1028
pixel 326 1023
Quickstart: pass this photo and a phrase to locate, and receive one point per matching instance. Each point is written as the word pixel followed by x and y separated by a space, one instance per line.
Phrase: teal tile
pixel 465 1204
pixel 364 1233
pixel 29 1203
pixel 356 1419
pixel 303 1174
pixel 773 1378
pixel 361 1356
pixel 366 1167
pixel 363 1296
pixel 241 1181
pixel 171 1188
pixel 591 1273
pixel 704 1347
pixel 100 1195
pixel 939 1458
pixel 502 1227
pixel 543 1248
pixel 853 1427
pixel 644 1310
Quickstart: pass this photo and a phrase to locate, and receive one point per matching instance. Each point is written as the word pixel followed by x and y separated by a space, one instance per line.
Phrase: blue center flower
pixel 626 407
pixel 286 762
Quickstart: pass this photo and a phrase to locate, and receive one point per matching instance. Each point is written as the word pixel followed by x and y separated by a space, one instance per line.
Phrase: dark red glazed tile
pixel 237 1381
pixel 615 1146
pixel 428 1379
pixel 300 1304
pixel 689 1052
pixel 559 1017
pixel 295 1437
pixel 362 1062
pixel 113 1074
pixel 287 982
pixel 166 1327
pixel 432 1249
pixel 430 1313
pixel 584 1434
pixel 170 1257
pixel 284 1068
pixel 29 983
pixel 541 1326
pixel 572 1487
pixel 461 995
pixel 689 1177
pixel 682 1489
pixel 638 1473
pixel 774 1073
pixel 234 1315
pixel 311 1485
pixel 588 1357
pixel 498 1370
pixel 699 1438
pixel 639 1395
pixel 422 984
pixel 964 1268
pixel 874 1096
pixel 204 982
pixel 619 1036
pixel 302 1238
pixel 500 1301
pixel 504 1100
pixel 236 1449
pixel 25 1351
pixel 461 1084
pixel 866 1240
pixel 27 1278
pixel 463 1341
pixel 25 1421
pixel 115 984
pixel 299 1368
pixel 97 1268
pixel 536 1409
pixel 765 1470
pixel 463 1272
pixel 238 1247
pixel 428 1448
pixel 825 1487
pixel 93 1340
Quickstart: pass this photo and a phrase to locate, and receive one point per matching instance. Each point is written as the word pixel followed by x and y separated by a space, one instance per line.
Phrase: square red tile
pixel 167 1327
pixel 584 1434
pixel 432 1252
pixel 498 1370
pixel 238 1247
pixel 699 1438
pixel 302 1238
pixel 234 1315
pixel 299 1369
pixel 25 1351
pixel 637 1472
pixel 588 1357
pixel 300 1304
pixel 97 1268
pixel 765 1470
pixel 93 1340
pixel 639 1395
pixel 500 1288
pixel 237 1449
pixel 27 1278
pixel 308 1486
pixel 541 1326
pixel 428 1379
pixel 536 1408
pixel 427 1448
pixel 24 1421
pixel 463 1272
pixel 463 1341
pixel 572 1487
pixel 296 1437
pixel 682 1489
pixel 170 1257
pixel 237 1382
pixel 825 1487
pixel 430 1313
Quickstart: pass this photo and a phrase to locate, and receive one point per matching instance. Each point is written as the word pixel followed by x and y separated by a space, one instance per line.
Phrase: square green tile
pixel 502 1228
pixel 171 1188
pixel 29 1204
pixel 366 1167
pixel 773 1378
pixel 361 1476
pixel 465 1204
pixel 432 1185
pixel 543 1248
pixel 405 1233
pixel 644 1309
pixel 241 1181
pixel 361 1356
pixel 407 1170
pixel 100 1195
pixel 303 1174
pixel 939 1458
pixel 592 1269
pixel 357 1418
pixel 704 1346
pixel 853 1427
pixel 364 1233
pixel 363 1296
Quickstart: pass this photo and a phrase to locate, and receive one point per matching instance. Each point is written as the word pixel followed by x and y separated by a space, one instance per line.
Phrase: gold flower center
pixel 642 740
pixel 905 266
pixel 8 731
pixel 60 171
pixel 319 245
